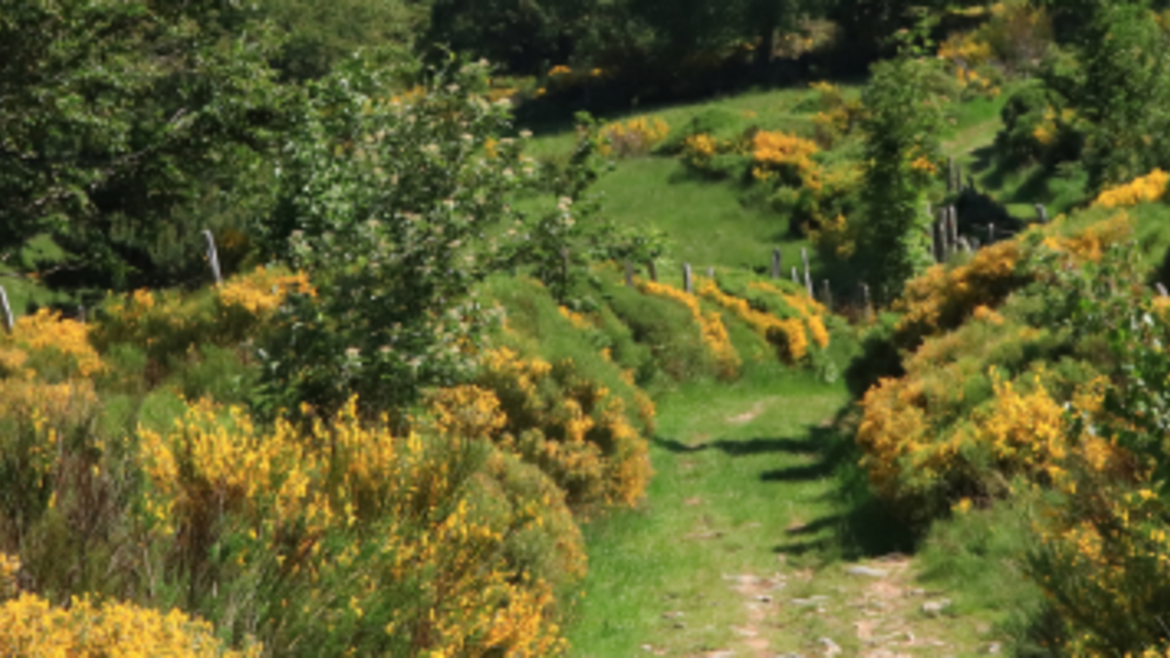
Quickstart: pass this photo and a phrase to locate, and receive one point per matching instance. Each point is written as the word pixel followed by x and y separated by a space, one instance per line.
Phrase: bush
pixel 715 121
pixel 381 544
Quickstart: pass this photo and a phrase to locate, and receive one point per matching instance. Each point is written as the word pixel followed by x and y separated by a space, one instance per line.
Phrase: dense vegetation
pixel 317 349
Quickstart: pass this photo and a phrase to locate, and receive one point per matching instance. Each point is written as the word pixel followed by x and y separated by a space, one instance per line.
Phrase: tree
pixel 119 119
pixel 901 125
pixel 1124 93
pixel 396 195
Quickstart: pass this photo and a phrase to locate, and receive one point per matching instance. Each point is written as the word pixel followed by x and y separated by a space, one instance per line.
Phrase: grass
pixel 744 487
pixel 704 221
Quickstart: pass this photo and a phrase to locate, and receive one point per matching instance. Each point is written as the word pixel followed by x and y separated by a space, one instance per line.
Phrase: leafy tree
pixel 525 36
pixel 902 123
pixel 1124 93
pixel 317 34
pixel 119 119
pixel 397 203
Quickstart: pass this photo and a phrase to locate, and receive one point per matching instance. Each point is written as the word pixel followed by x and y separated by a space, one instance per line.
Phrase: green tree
pixel 120 120
pixel 318 34
pixel 1124 93
pixel 902 123
pixel 397 202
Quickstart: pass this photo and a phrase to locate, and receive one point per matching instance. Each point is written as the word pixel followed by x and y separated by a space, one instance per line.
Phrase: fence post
pixel 828 295
pixel 711 273
pixel 938 239
pixel 951 175
pixel 795 276
pixel 212 256
pixel 688 278
pixel 990 233
pixel 81 313
pixel 653 270
pixel 964 245
pixel 1161 290
pixel 954 238
pixel 865 301
pixel 1042 213
pixel 6 310
pixel 807 278
pixel 944 233
pixel 629 275
pixel 776 257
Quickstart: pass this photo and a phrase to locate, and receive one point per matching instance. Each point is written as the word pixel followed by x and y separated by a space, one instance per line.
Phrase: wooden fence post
pixel 866 302
pixel 6 310
pixel 213 256
pixel 1041 213
pixel 1161 290
pixel 688 278
pixel 828 295
pixel 944 233
pixel 807 278
pixel 954 237
pixel 990 233
pixel 653 270
pixel 629 275
pixel 795 276
pixel 951 175
pixel 776 257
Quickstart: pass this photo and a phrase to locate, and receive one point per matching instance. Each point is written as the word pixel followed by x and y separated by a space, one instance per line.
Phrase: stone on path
pixel 831 647
pixel 867 571
pixel 935 607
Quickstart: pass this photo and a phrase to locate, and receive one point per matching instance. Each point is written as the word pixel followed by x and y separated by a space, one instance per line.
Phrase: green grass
pixel 704 221
pixel 744 486
pixel 781 109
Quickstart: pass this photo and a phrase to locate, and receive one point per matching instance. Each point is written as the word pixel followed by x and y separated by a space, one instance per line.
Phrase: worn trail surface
pixel 745 546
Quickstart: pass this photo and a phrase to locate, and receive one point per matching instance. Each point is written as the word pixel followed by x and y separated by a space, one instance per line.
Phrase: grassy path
pixel 739 550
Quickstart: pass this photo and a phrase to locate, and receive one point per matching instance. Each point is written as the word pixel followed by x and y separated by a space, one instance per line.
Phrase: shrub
pixel 1151 187
pixel 711 326
pixel 635 137
pixel 790 335
pixel 30 626
pixel 381 544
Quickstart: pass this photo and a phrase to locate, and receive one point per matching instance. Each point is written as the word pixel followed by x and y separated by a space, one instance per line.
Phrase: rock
pixel 831 647
pixel 994 647
pixel 672 615
pixel 935 607
pixel 867 571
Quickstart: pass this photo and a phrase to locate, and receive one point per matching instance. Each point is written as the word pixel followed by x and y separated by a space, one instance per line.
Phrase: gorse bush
pixel 31 626
pixel 1151 187
pixel 575 430
pixel 365 540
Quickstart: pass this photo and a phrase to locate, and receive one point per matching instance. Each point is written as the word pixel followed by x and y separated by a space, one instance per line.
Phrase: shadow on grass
pixel 863 528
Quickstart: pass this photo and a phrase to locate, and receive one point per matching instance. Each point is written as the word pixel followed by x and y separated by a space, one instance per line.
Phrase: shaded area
pixel 864 529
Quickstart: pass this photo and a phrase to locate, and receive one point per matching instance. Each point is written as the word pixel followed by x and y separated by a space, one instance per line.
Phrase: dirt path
pixel 738 551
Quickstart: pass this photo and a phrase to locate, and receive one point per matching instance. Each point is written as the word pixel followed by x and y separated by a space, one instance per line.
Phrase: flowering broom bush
pixel 345 537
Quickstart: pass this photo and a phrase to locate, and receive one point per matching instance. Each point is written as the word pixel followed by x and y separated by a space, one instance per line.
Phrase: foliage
pixel 1125 56
pixel 637 136
pixel 710 325
pixel 31 626
pixel 575 430
pixel 792 335
pixel 397 204
pixel 380 543
pixel 1150 187
pixel 316 36
pixel 123 119
pixel 901 129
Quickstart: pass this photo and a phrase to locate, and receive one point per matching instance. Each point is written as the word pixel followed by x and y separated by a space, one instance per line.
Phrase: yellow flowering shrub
pixel 942 298
pixel 699 149
pixel 395 545
pixel 837 116
pixel 786 155
pixel 788 335
pixel 577 431
pixel 1151 187
pixel 261 291
pixel 31 626
pixel 50 347
pixel 710 325
pixel 578 320
pixel 634 137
